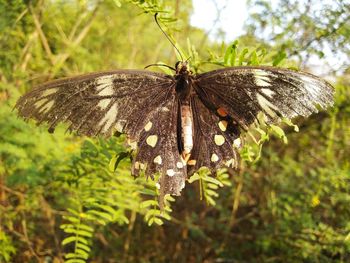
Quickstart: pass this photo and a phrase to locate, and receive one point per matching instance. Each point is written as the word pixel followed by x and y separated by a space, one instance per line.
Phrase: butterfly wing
pixel 98 103
pixel 214 137
pixel 158 148
pixel 243 92
pixel 141 104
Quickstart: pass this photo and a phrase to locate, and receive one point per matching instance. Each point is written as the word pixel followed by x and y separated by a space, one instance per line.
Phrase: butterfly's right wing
pixel 216 138
pixel 98 103
pixel 243 92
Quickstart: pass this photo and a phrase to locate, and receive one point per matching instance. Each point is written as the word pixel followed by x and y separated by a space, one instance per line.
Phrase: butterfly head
pixel 182 67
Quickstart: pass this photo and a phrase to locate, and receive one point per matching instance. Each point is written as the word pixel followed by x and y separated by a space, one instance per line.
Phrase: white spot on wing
pixel 152 140
pixel 103 104
pixel 179 165
pixel 40 102
pixel 267 92
pixel 49 92
pixel 266 105
pixel 261 78
pixel 46 107
pixel 237 143
pixel 148 126
pixel 261 82
pixel 311 86
pixel 170 172
pixel 104 87
pixel 119 126
pixel 158 160
pixel 219 140
pixel 222 125
pixel 109 118
pixel 214 158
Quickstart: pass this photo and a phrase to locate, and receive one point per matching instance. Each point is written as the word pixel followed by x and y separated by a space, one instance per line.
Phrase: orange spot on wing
pixel 222 112
pixel 192 162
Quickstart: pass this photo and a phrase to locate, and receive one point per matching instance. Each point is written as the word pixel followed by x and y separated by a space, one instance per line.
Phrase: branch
pixel 42 36
pixel 63 57
pixel 320 37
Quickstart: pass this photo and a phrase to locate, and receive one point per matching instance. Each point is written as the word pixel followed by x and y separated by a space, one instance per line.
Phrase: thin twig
pixel 63 57
pixel 42 36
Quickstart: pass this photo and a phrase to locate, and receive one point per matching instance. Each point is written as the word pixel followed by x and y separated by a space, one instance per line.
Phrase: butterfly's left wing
pixel 98 103
pixel 243 92
pixel 140 103
pixel 158 148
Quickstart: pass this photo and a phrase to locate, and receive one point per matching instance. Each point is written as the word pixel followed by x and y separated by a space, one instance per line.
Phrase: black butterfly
pixel 178 123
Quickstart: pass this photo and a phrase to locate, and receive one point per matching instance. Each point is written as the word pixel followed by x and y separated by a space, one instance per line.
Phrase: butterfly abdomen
pixel 186 129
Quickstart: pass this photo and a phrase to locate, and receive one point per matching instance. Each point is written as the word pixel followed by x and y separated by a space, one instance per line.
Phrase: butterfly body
pixel 179 123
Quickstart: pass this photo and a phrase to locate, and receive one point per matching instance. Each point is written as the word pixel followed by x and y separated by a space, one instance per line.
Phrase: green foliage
pixel 102 196
pixel 6 248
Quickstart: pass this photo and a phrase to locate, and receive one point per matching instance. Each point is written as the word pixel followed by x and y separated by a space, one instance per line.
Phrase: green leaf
pixel 158 221
pixel 72 219
pixel 166 216
pixel 148 203
pixel 102 215
pixel 151 213
pixel 82 253
pixel 279 132
pixel 253 59
pixel 75 260
pixel 234 53
pixel 194 178
pixel 68 240
pixel 211 193
pixel 242 55
pixel 85 247
pixel 277 59
pixel 291 124
pixel 210 200
pixel 212 180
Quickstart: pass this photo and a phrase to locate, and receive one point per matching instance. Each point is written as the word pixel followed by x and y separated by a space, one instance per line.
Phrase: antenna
pixel 165 34
pixel 160 65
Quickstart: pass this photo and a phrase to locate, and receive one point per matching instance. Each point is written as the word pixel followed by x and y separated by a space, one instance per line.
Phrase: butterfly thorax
pixel 183 78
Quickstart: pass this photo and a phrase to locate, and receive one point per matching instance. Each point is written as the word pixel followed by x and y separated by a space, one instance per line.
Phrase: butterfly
pixel 176 123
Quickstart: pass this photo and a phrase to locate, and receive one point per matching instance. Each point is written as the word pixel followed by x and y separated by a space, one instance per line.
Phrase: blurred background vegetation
pixel 66 198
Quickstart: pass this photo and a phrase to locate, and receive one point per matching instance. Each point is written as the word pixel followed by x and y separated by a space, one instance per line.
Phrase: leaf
pixel 211 193
pixel 158 221
pixel 212 180
pixel 291 124
pixel 277 59
pixel 68 240
pixel 194 178
pixel 102 215
pixel 151 213
pixel 210 200
pixel 82 253
pixel 242 55
pixel 279 132
pixel 75 260
pixel 85 247
pixel 72 219
pixel 149 203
